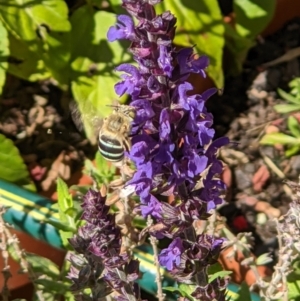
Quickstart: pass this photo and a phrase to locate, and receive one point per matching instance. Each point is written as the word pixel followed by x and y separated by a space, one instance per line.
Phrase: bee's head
pixel 126 110
pixel 131 112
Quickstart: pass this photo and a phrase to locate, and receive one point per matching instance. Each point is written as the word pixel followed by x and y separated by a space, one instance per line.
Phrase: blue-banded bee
pixel 114 133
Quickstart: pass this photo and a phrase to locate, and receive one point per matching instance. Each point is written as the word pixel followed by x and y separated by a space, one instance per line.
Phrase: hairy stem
pixel 159 278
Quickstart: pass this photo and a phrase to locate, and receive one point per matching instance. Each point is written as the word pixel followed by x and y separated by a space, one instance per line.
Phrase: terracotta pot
pixel 21 280
pixel 241 273
pixel 285 11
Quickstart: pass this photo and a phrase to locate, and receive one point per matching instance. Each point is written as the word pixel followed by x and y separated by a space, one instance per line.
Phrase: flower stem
pixel 159 278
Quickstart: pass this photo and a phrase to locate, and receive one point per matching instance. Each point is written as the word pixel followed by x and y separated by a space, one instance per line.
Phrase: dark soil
pixel 36 117
pixel 243 113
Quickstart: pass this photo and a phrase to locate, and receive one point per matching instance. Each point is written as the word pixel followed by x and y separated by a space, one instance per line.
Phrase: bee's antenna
pixel 114 106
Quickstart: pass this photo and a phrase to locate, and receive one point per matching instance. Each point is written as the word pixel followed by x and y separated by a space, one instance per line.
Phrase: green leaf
pixel 68 296
pixel 39 38
pixel 64 227
pixel 93 62
pixel 292 150
pixel 281 138
pixel 186 290
pixel 139 222
pixel 42 265
pixel 252 16
pixel 243 293
pixel 82 189
pixel 216 270
pixel 183 289
pixel 29 186
pixel 65 236
pixel 4 52
pixel 293 280
pixel 57 40
pixel 57 57
pixel 170 289
pixel 200 23
pixel 115 2
pixel 295 87
pixel 102 165
pixel 67 212
pixel 99 175
pixel 263 259
pixel 295 275
pixel 294 291
pixel 95 3
pixel 12 166
pixel 16 17
pixel 105 170
pixel 46 297
pixel 50 13
pixel 220 274
pixel 23 18
pixel 53 286
pixel 293 126
pixel 25 63
pixel 238 47
pixel 116 6
pixel 288 97
pixel 286 108
pixel 65 200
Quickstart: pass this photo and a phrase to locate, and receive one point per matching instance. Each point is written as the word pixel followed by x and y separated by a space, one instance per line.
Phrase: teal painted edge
pixel 41 231
pixel 23 220
pixel 26 194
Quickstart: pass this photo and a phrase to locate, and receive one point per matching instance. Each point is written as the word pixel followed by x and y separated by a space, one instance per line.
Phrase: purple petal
pixel 124 29
pixel 170 257
pixel 196 165
pixel 165 60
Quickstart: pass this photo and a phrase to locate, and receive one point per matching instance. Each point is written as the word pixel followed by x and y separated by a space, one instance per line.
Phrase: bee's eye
pixel 132 114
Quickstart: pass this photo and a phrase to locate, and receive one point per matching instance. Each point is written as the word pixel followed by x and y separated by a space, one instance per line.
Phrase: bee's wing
pixel 76 116
pixel 86 120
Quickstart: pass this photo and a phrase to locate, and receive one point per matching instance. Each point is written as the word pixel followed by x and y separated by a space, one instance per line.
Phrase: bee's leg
pixel 116 184
pixel 126 143
pixel 128 172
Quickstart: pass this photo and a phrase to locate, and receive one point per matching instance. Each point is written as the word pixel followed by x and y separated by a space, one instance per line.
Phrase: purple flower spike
pixel 172 141
pixel 98 243
pixel 170 257
pixel 123 30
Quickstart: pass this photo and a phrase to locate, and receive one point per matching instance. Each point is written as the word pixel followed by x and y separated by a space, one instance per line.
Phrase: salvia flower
pixel 99 264
pixel 123 30
pixel 173 146
pixel 172 141
pixel 170 257
pixel 178 256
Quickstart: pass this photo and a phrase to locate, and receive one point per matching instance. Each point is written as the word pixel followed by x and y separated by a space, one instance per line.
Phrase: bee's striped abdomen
pixel 111 149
